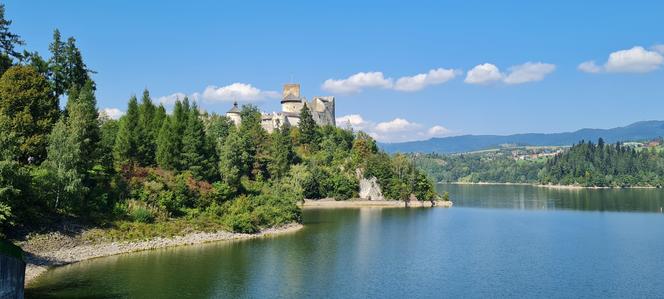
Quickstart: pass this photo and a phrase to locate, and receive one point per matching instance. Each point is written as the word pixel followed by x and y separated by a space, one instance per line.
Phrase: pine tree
pixel 146 144
pixel 167 141
pixel 57 64
pixel 8 40
pixel 230 160
pixel 195 155
pixel 124 150
pixel 30 110
pixel 254 140
pixel 308 127
pixel 281 152
pixel 76 71
pixel 83 121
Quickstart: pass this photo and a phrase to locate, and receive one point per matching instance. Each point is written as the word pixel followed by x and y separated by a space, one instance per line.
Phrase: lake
pixel 497 241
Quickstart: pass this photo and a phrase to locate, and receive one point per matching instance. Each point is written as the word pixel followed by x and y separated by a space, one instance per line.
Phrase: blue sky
pixel 529 53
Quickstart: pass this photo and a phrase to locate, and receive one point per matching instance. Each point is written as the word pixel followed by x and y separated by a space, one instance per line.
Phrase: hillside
pixel 465 143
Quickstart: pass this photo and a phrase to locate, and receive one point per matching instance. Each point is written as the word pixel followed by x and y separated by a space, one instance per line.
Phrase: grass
pixel 9 249
pixel 132 231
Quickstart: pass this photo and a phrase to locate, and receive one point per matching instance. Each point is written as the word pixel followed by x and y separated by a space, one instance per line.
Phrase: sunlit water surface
pixel 497 241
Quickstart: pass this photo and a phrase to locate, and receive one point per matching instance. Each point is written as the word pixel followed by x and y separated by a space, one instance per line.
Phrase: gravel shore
pixel 56 249
pixel 331 203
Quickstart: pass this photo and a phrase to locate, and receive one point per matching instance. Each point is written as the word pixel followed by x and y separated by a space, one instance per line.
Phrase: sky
pixel 400 70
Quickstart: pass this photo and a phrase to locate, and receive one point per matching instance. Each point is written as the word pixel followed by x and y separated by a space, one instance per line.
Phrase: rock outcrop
pixel 370 190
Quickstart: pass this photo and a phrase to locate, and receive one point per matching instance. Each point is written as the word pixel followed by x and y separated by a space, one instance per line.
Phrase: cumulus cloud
pixel 420 81
pixel 113 113
pixel 518 74
pixel 170 99
pixel 395 130
pixel 634 60
pixel 236 91
pixel 529 72
pixel 483 74
pixel 357 82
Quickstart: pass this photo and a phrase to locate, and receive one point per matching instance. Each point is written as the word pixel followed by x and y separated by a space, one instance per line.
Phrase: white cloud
pixel 113 113
pixel 483 74
pixel 589 67
pixel 170 99
pixel 634 60
pixel 396 130
pixel 236 91
pixel 357 82
pixel 419 81
pixel 354 120
pixel 529 72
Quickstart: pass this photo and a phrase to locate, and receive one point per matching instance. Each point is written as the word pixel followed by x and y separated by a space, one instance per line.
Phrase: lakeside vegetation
pixel 585 164
pixel 153 173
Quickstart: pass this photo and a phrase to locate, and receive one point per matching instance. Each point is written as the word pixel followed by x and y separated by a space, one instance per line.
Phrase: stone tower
pixel 234 114
pixel 292 102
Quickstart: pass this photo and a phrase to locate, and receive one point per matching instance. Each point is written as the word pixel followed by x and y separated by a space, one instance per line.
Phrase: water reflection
pixel 523 197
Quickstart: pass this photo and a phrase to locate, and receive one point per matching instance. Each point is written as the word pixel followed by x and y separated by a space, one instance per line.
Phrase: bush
pixel 142 215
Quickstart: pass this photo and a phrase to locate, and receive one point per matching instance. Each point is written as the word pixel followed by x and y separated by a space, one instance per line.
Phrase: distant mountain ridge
pixel 466 143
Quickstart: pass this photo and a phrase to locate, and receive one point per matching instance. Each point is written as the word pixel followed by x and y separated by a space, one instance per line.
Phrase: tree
pixel 196 154
pixel 308 127
pixel 76 71
pixel 8 40
pixel 254 141
pixel 30 108
pixel 281 152
pixel 83 122
pixel 108 132
pixel 230 160
pixel 167 142
pixel 57 64
pixel 145 131
pixel 124 150
pixel 63 179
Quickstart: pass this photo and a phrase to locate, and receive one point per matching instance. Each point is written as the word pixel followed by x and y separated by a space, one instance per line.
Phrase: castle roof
pixel 291 98
pixel 234 109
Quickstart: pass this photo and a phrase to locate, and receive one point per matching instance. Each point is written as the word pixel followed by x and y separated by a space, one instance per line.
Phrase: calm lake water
pixel 497 241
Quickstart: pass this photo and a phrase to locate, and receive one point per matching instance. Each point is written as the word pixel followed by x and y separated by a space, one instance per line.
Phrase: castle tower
pixel 234 114
pixel 291 101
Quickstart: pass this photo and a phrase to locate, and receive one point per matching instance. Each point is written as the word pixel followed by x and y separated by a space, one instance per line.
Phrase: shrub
pixel 143 215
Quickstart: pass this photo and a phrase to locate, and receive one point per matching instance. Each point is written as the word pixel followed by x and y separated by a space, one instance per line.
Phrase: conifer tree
pixel 57 64
pixel 308 127
pixel 167 141
pixel 281 152
pixel 146 144
pixel 254 140
pixel 230 160
pixel 124 150
pixel 195 155
pixel 83 122
pixel 8 40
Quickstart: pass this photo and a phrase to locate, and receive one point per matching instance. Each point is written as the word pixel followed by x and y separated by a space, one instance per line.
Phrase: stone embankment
pixel 56 249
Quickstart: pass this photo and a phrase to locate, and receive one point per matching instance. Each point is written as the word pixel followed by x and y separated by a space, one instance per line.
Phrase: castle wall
pixel 291 90
pixel 293 107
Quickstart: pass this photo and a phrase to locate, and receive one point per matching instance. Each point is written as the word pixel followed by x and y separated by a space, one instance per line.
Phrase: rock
pixel 369 189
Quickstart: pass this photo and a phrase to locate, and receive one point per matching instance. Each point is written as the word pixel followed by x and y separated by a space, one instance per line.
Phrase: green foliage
pixel 601 165
pixel 143 215
pixel 197 156
pixel 125 149
pixel 254 143
pixel 308 127
pixel 68 71
pixel 8 40
pixel 480 167
pixel 145 133
pixel 29 108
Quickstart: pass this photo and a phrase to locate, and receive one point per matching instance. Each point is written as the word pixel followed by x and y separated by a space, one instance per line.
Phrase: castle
pixel 322 110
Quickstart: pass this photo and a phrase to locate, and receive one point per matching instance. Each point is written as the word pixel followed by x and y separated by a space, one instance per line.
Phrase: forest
pixel 150 167
pixel 585 164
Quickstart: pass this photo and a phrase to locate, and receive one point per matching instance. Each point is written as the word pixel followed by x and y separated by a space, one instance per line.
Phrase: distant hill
pixel 466 143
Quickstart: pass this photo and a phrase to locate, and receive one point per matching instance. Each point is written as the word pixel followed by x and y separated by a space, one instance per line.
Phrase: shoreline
pixel 333 204
pixel 571 187
pixel 39 261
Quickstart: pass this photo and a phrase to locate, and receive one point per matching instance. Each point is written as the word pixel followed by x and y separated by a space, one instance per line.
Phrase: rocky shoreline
pixel 56 249
pixel 352 203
